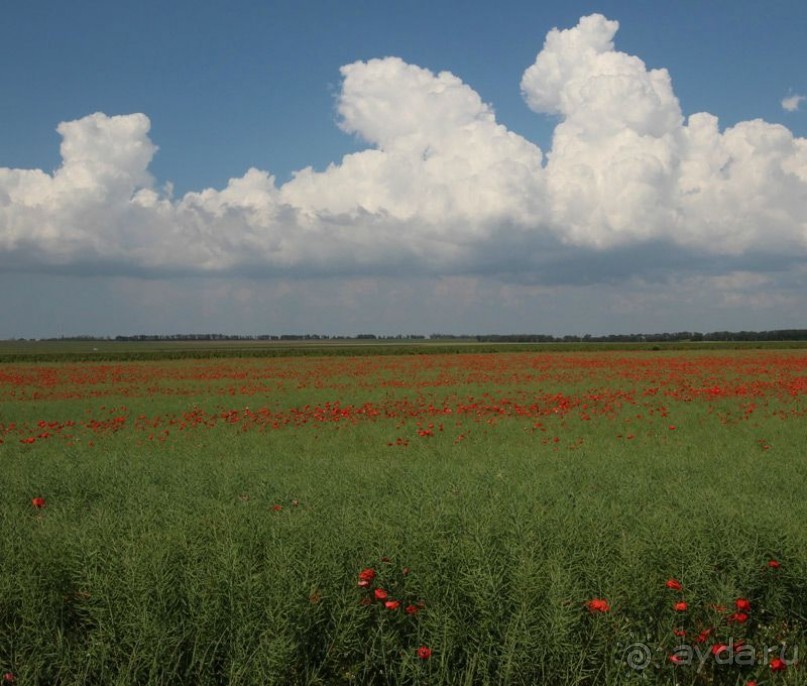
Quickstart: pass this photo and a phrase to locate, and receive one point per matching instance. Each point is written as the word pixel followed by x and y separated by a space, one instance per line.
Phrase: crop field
pixel 607 517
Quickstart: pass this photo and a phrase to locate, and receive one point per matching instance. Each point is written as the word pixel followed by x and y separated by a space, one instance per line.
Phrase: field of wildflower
pixel 512 518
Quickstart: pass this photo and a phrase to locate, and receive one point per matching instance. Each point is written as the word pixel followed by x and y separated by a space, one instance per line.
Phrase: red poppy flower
pixel 703 635
pixel 679 632
pixel 743 605
pixel 424 653
pixel 718 648
pixel 774 564
pixel 366 577
pixel 738 618
pixel 676 659
pixel 38 503
pixel 392 604
pixel 380 594
pixel 277 508
pixel 411 609
pixel 778 665
pixel 598 605
pixel 674 584
pixel 680 607
pixel 9 678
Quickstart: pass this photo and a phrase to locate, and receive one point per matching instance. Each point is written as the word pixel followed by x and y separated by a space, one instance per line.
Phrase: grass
pixel 229 553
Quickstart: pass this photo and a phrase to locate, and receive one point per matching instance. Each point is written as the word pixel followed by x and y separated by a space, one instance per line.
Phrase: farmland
pixel 523 517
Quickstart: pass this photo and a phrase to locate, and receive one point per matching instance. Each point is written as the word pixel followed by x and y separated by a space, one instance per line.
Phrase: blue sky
pixel 227 87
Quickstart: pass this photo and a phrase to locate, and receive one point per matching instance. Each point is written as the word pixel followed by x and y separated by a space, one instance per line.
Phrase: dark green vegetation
pixel 122 351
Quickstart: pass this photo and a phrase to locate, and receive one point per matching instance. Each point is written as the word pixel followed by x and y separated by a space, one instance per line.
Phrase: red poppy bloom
pixel 774 564
pixel 674 584
pixel 9 678
pixel 778 665
pixel 411 609
pixel 680 607
pixel 718 648
pixel 676 659
pixel 392 604
pixel 424 653
pixel 277 508
pixel 679 632
pixel 738 618
pixel 598 605
pixel 380 594
pixel 38 503
pixel 703 635
pixel 743 605
pixel 366 577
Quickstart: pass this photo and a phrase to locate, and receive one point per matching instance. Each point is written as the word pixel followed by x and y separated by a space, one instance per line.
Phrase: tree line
pixel 679 336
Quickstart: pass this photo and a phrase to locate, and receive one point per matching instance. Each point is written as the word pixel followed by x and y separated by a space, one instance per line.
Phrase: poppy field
pixel 608 517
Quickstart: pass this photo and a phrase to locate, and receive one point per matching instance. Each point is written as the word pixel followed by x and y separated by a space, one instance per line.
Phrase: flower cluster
pixel 736 619
pixel 741 633
pixel 396 606
pixel 719 634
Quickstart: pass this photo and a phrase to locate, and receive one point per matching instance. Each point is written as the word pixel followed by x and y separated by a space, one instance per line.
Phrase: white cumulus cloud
pixel 625 165
pixel 442 187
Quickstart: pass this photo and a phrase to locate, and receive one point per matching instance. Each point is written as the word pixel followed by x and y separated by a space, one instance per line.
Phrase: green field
pixel 207 521
pixel 14 351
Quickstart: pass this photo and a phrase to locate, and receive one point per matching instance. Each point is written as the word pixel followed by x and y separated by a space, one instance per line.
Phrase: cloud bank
pixel 442 188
